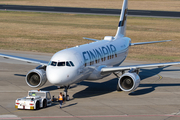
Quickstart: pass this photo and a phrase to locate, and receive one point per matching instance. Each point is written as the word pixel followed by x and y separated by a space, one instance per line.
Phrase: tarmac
pixel 157 97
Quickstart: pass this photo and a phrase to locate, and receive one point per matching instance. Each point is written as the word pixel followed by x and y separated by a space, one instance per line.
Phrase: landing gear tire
pixel 67 98
pixel 118 88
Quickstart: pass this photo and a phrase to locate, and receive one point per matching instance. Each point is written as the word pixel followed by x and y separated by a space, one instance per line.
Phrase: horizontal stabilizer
pixel 142 43
pixel 90 39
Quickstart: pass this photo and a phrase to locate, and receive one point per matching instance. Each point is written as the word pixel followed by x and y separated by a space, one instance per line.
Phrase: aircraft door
pixel 80 61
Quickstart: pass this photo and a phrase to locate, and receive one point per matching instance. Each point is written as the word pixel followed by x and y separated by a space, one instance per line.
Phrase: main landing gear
pixel 118 76
pixel 66 96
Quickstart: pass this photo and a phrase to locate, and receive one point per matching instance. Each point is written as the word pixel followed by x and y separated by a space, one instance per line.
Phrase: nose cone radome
pixel 52 75
pixel 57 76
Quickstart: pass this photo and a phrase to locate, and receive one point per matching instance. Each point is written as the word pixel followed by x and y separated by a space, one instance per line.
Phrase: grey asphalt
pixel 157 97
pixel 145 13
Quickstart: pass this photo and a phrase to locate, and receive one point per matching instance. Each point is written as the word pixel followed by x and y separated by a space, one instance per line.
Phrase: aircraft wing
pixel 121 68
pixel 29 60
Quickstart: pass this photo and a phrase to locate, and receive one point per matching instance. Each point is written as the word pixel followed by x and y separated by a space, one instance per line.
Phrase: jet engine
pixel 36 78
pixel 129 81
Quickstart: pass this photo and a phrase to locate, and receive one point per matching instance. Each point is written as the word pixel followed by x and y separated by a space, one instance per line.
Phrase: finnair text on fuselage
pixel 99 52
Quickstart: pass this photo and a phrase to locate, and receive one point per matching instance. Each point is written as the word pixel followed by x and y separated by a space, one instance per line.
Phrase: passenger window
pixel 112 56
pixel 102 59
pixel 116 55
pixel 53 63
pixel 67 64
pixel 61 64
pixel 71 63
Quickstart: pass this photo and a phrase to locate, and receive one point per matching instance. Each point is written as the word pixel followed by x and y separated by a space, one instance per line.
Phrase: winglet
pixel 121 31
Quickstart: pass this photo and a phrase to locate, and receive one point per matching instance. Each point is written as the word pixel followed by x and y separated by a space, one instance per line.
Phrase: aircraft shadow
pixel 147 73
pixel 95 89
pixel 150 88
pixel 20 75
pixel 51 88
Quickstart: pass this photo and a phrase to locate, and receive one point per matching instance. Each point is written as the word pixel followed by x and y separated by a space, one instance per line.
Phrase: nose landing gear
pixel 66 96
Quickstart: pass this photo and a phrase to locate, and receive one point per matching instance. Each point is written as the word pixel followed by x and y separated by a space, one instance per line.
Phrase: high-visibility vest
pixel 60 97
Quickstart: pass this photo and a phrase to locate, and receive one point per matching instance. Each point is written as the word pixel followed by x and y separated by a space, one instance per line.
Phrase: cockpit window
pixel 71 63
pixel 61 64
pixel 53 63
pixel 67 64
pixel 49 63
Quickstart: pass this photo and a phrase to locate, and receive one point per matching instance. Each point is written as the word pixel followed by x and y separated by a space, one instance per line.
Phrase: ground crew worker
pixel 60 98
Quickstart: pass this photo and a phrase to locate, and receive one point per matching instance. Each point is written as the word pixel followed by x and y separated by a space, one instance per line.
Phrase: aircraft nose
pixel 52 75
pixel 57 76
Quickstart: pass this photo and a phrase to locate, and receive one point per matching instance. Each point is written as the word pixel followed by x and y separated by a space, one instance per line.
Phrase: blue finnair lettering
pixel 98 52
pixel 85 56
pixel 108 49
pixel 105 51
pixel 113 48
pixel 92 55
pixel 89 54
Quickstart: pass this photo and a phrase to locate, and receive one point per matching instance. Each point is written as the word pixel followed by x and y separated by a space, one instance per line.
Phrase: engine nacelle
pixel 129 82
pixel 36 78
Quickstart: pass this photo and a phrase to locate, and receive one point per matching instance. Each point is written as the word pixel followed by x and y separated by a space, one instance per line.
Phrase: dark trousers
pixel 60 103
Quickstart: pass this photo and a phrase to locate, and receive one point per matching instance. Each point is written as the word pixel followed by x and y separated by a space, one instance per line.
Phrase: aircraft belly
pixel 118 60
pixel 96 73
pixel 97 76
pixel 86 72
pixel 122 58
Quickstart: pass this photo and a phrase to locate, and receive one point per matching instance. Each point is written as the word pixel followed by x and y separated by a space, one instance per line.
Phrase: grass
pixel 51 32
pixel 164 5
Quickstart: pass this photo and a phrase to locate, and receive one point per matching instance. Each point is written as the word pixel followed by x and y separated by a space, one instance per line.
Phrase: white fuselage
pixel 85 61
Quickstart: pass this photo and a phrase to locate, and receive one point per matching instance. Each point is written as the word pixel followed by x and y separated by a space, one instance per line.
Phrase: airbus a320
pixel 91 61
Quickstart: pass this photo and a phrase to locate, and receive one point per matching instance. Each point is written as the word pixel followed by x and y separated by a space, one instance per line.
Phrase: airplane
pixel 91 61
